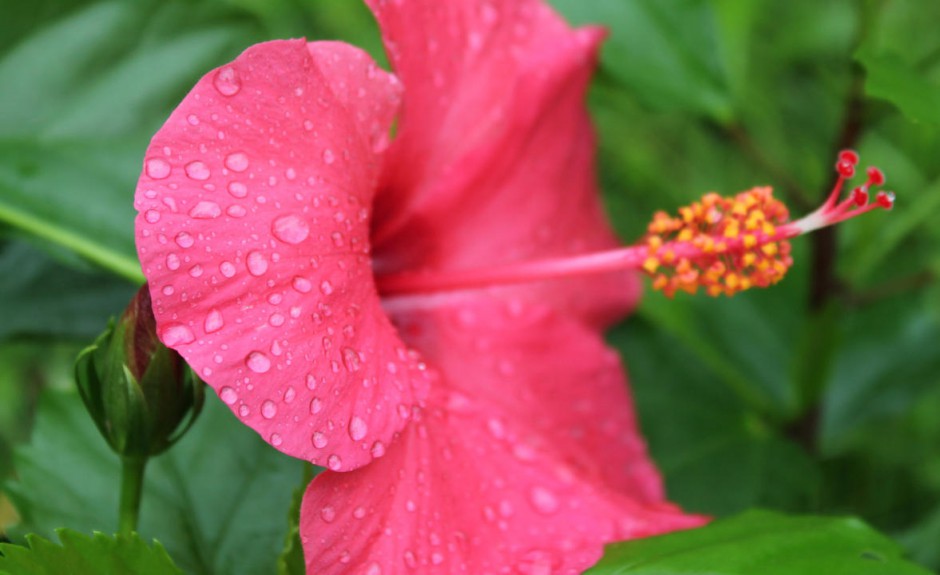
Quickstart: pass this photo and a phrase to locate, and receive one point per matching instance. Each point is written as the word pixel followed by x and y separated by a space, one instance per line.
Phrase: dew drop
pixel 302 284
pixel 205 210
pixel 328 156
pixel 326 287
pixel 227 82
pixel 543 500
pixel 351 359
pixel 195 271
pixel 276 320
pixel 227 269
pixel 276 439
pixel 184 240
pixel 214 321
pixel 157 168
pixel 319 439
pixel 374 569
pixel 237 189
pixel 228 395
pixel 268 409
pixel 378 449
pixel 152 216
pixel 236 211
pixel 328 514
pixel 357 428
pixel 258 362
pixel 289 395
pixel 257 264
pixel 193 119
pixel 243 410
pixel 290 229
pixel 198 171
pixel 316 405
pixel 177 334
pixel 334 462
pixel 172 262
pixel 237 162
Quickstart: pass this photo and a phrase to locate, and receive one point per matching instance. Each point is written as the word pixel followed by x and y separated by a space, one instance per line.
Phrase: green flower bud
pixel 141 394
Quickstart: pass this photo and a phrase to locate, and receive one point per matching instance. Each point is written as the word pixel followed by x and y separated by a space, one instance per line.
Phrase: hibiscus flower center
pixel 722 244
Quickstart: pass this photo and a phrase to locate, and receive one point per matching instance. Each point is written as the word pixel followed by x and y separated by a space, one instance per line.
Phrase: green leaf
pixel 665 50
pixel 217 500
pixel 702 434
pixel 40 297
pixel 890 78
pixel 82 555
pixel 82 96
pixel 765 543
pixel 291 561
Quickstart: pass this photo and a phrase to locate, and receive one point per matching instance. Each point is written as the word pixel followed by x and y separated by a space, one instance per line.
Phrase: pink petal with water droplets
pixel 544 369
pixel 455 495
pixel 253 233
pixel 494 157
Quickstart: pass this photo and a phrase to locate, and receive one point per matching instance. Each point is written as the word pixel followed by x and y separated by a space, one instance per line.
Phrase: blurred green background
pixel 819 395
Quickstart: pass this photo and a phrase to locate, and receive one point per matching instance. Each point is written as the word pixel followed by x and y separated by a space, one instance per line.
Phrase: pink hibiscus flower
pixel 412 314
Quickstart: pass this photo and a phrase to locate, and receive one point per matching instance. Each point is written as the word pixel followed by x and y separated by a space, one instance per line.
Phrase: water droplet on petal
pixel 290 229
pixel 184 240
pixel 289 395
pixel 302 284
pixel 328 514
pixel 214 321
pixel 257 264
pixel 378 449
pixel 198 171
pixel 543 500
pixel 268 409
pixel 157 168
pixel 357 428
pixel 193 119
pixel 258 362
pixel 227 269
pixel 205 210
pixel 176 334
pixel 326 287
pixel 276 320
pixel 152 216
pixel 172 262
pixel 238 189
pixel 351 359
pixel 328 156
pixel 227 82
pixel 334 462
pixel 228 395
pixel 276 439
pixel 316 405
pixel 319 439
pixel 237 162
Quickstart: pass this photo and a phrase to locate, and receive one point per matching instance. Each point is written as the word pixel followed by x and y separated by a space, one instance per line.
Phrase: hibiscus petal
pixel 456 495
pixel 494 156
pixel 253 231
pixel 544 369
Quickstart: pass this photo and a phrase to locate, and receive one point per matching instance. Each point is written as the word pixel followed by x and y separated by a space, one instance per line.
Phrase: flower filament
pixel 722 244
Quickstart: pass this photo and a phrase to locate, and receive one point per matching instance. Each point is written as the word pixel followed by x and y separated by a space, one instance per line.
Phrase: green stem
pixel 132 487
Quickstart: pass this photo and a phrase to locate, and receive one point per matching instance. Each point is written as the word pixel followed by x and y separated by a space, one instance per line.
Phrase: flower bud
pixel 141 394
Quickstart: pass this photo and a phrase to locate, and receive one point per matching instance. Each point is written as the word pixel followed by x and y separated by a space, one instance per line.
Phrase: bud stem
pixel 132 487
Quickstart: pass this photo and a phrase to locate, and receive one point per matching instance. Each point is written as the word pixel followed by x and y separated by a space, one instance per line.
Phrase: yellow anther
pixel 669 256
pixel 655 242
pixel 749 259
pixel 749 241
pixel 651 264
pixel 685 235
pixel 770 249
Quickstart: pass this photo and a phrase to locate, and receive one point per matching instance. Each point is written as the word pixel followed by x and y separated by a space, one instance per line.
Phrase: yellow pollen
pixel 701 234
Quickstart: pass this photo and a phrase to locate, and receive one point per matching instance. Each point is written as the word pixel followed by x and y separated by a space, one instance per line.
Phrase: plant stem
pixel 132 486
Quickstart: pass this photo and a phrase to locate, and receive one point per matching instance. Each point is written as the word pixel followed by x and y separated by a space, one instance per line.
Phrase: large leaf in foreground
pixel 765 543
pixel 217 501
pixel 82 555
